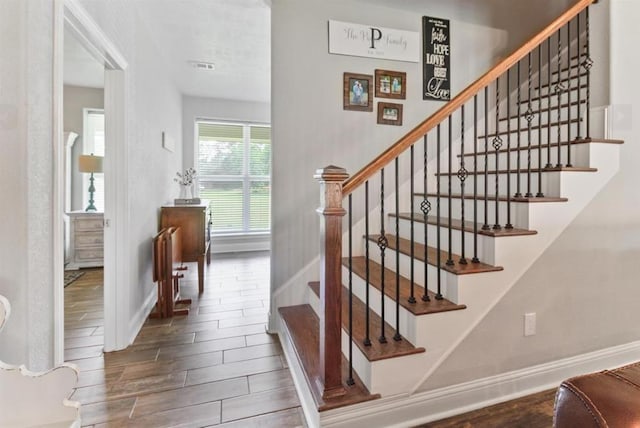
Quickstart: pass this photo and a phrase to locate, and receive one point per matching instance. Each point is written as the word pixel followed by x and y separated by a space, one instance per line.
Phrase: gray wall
pixel 76 99
pixel 310 128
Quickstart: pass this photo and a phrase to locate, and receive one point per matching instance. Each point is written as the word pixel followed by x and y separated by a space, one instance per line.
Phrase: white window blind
pixel 234 173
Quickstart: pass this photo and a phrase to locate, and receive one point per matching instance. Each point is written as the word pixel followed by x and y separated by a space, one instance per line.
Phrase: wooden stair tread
pixel 376 351
pixel 524 170
pixel 526 128
pixel 303 327
pixel 468 226
pixel 432 256
pixel 524 200
pixel 537 146
pixel 420 307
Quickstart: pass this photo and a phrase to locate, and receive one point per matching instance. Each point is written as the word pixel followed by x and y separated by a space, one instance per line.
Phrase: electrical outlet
pixel 530 324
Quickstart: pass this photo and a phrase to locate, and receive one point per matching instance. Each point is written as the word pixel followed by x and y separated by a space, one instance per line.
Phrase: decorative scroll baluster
pixel 383 243
pixel 587 64
pixel 438 222
pixel 559 89
pixel 397 336
pixel 497 143
pixel 425 207
pixel 367 332
pixel 519 114
pixel 450 176
pixel 579 77
pixel 462 176
pixel 412 298
pixel 475 180
pixel 549 58
pixel 529 116
pixel 350 380
pixel 539 194
pixel 568 94
pixel 508 225
pixel 486 226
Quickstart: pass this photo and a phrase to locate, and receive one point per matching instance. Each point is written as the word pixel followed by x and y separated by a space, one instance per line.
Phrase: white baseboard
pixel 141 315
pixel 423 407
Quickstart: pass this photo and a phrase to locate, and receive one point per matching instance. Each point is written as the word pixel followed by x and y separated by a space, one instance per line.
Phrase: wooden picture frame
pixel 357 92
pixel 391 84
pixel 389 114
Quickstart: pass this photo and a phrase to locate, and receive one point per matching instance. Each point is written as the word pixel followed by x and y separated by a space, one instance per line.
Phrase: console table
pixel 86 239
pixel 195 223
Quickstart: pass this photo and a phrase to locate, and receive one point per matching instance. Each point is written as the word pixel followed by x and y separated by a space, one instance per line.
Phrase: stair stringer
pixel 550 220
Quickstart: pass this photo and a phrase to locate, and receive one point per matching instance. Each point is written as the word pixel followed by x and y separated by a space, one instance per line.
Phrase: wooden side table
pixel 195 223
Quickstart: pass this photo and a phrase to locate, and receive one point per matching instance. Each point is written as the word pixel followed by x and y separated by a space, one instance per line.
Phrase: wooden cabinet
pixel 195 223
pixel 86 239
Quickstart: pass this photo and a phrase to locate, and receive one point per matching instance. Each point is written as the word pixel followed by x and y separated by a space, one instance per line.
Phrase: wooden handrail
pixel 432 121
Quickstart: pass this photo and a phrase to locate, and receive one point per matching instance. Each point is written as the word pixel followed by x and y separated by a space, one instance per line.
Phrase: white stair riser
pixel 550 184
pixel 565 113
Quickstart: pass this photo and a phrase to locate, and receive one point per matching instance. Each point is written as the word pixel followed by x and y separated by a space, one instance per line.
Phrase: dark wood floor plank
pixel 290 418
pixel 252 352
pixel 232 370
pixel 259 403
pixel 170 352
pixel 270 380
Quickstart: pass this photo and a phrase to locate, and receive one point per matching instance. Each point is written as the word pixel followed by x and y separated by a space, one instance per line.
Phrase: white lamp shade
pixel 90 163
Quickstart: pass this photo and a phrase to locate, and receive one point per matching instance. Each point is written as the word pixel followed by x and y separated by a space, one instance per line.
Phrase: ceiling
pixel 234 35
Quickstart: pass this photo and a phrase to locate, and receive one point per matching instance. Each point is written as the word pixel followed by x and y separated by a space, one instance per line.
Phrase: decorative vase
pixel 185 191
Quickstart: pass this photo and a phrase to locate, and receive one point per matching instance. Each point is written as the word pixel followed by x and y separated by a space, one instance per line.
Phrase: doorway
pixel 72 22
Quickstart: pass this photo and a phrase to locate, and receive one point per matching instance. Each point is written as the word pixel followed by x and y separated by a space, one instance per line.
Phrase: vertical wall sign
pixel 436 65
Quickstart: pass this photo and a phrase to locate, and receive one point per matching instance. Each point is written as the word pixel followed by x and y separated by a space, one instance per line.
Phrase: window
pixel 234 173
pixel 93 143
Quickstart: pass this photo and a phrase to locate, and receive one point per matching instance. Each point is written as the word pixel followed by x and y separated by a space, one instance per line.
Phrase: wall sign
pixel 436 65
pixel 373 42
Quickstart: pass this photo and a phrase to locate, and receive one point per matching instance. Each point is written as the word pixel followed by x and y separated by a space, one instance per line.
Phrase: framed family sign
pixel 391 84
pixel 357 92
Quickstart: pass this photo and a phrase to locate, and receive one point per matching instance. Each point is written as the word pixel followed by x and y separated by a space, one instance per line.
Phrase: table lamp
pixel 91 164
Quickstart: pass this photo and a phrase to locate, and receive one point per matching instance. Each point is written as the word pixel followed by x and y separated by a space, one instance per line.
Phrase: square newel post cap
pixel 331 173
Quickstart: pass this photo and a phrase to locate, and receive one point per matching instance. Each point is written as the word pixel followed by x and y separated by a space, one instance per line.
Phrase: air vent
pixel 207 66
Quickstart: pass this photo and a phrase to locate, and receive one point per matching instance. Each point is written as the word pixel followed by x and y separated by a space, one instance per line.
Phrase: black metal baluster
pixel 450 176
pixel 587 64
pixel 559 88
pixel 508 225
pixel 367 335
pixel 412 298
pixel 518 193
pixel 438 222
pixel 462 176
pixel 497 143
pixel 539 194
pixel 579 77
pixel 397 336
pixel 475 180
pixel 425 207
pixel 383 243
pixel 529 117
pixel 350 380
pixel 568 94
pixel 485 226
pixel 549 164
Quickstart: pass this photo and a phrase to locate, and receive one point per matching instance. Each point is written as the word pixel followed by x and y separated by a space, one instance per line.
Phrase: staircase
pixel 419 245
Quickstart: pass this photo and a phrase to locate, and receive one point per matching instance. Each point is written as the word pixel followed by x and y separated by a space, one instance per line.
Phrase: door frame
pixel 71 15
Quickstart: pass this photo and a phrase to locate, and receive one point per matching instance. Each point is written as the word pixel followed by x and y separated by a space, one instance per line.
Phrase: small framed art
pixel 391 84
pixel 357 92
pixel 389 114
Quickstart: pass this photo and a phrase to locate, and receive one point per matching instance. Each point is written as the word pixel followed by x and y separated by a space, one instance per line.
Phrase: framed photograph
pixel 391 84
pixel 358 92
pixel 390 114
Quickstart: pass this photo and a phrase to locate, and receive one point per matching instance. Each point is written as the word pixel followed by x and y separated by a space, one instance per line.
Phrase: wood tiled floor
pixel 216 366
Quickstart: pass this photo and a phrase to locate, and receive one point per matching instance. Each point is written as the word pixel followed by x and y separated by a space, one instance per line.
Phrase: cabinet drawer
pixel 88 239
pixel 88 224
pixel 95 254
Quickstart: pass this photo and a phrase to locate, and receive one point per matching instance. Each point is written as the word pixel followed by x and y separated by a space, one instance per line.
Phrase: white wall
pixel 584 289
pixel 76 99
pixel 154 105
pixel 310 128
pixel 26 171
